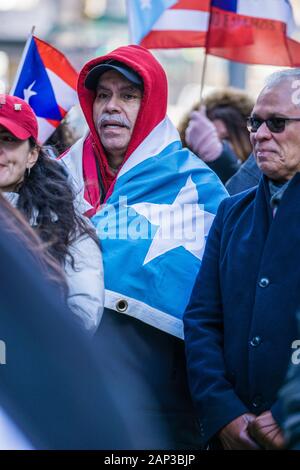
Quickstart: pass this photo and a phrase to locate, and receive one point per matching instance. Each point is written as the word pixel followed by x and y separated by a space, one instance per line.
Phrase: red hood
pixel 153 106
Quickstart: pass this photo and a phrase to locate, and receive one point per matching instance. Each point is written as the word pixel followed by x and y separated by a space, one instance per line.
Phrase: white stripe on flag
pixel 65 96
pixel 45 129
pixel 159 138
pixel 277 10
pixel 182 20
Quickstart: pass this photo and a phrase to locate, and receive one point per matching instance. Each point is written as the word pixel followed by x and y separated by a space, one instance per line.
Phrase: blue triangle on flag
pixel 34 76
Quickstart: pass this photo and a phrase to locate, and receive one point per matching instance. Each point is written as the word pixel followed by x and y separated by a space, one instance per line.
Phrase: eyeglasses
pixel 274 124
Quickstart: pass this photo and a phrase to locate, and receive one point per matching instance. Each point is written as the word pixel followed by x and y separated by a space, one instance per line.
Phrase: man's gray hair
pixel 281 75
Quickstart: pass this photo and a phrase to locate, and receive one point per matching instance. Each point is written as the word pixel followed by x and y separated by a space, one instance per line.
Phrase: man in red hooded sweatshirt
pixel 124 98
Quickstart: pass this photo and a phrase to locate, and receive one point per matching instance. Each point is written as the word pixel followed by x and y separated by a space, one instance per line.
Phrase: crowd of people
pixel 121 374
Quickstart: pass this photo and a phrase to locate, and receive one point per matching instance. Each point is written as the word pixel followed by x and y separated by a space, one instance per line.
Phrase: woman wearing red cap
pixel 38 187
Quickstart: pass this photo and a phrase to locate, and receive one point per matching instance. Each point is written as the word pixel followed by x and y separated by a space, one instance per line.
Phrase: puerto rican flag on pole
pixel 47 81
pixel 253 32
pixel 249 31
pixel 160 24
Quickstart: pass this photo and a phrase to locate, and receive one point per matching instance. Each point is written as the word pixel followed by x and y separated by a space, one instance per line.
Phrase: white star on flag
pixel 28 92
pixel 146 4
pixel 180 224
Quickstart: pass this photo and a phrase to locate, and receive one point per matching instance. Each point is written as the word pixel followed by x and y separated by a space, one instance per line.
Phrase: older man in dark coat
pixel 241 321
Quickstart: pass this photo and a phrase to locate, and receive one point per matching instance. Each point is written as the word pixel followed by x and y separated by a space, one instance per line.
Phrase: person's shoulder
pixel 246 177
pixel 238 201
pixel 243 195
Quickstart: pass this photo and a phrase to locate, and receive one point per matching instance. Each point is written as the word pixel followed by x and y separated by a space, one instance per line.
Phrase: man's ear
pixel 32 157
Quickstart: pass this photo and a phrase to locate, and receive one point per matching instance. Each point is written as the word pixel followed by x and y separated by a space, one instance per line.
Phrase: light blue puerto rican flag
pixel 153 229
pixel 143 14
pixel 157 24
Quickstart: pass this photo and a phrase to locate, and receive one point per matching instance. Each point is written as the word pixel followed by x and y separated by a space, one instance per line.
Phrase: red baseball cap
pixel 18 117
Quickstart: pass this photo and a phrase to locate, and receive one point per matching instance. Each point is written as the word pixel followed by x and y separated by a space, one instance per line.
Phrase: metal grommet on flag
pixel 121 305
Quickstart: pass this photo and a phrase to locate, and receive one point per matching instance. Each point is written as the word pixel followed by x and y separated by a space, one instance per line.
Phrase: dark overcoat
pixel 241 320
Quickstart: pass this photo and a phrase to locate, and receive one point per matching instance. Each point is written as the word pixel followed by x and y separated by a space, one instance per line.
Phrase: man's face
pixel 277 154
pixel 115 110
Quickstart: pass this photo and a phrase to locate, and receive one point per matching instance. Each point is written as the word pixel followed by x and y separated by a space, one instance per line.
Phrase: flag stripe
pixel 264 9
pixel 182 20
pixel 174 39
pixel 278 11
pixel 199 5
pixel 54 60
pixel 246 39
pixel 45 129
pixel 188 16
pixel 248 31
pixel 53 122
pixel 281 11
pixel 165 133
pixel 263 34
pixel 65 96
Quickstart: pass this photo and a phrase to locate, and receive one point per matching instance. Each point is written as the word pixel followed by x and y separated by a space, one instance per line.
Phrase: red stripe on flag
pixel 53 122
pixel 174 39
pixel 248 39
pixel 55 61
pixel 294 51
pixel 201 5
pixel 62 111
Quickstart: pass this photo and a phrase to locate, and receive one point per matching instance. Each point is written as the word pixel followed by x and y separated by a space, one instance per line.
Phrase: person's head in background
pixel 62 138
pixel 228 109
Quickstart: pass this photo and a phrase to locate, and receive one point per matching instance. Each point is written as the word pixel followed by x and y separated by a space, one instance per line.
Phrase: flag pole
pixel 203 76
pixel 14 85
pixel 205 54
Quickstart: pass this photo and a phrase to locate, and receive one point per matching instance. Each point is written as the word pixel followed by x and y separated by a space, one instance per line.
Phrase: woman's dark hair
pixel 15 225
pixel 47 196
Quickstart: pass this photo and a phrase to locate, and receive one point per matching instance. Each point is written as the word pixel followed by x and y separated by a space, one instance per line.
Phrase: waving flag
pixel 181 23
pixel 143 14
pixel 254 32
pixel 249 31
pixel 47 81
pixel 153 229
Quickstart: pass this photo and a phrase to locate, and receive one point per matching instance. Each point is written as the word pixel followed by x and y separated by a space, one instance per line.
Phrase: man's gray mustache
pixel 116 118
